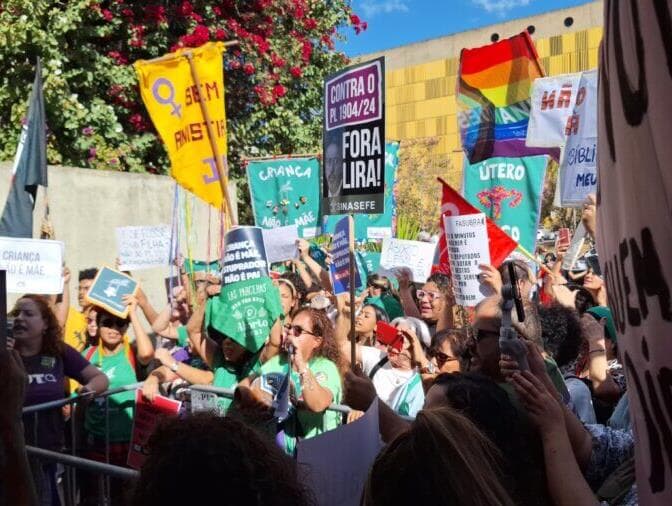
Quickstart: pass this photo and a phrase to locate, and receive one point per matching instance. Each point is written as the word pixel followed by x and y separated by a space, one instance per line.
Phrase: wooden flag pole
pixel 534 259
pixel 222 172
pixel 351 254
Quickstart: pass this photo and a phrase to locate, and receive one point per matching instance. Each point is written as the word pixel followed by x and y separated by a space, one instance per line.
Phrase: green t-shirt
pixel 228 376
pixel 120 372
pixel 182 336
pixel 306 424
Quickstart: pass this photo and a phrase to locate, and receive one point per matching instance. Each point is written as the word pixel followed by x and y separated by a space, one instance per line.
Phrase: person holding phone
pixel 394 370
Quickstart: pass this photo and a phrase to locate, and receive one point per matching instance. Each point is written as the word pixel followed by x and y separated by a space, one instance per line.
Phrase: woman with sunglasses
pixel 48 361
pixel 117 358
pixel 312 358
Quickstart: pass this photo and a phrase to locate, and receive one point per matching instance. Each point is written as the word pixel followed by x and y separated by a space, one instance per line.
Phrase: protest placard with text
pixel 280 243
pixel 509 190
pixel 340 261
pixel 353 178
pixel 32 265
pixel 286 191
pixel 143 247
pixel 417 256
pixel 467 239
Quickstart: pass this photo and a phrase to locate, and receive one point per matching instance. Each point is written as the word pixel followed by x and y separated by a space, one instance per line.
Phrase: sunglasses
pixel 114 323
pixel 432 296
pixel 297 330
pixel 442 358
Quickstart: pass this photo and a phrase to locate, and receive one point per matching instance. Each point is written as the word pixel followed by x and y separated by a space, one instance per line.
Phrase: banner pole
pixel 534 259
pixel 351 254
pixel 223 175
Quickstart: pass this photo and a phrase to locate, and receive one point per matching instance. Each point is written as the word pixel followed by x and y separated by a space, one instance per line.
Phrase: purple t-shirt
pixel 46 382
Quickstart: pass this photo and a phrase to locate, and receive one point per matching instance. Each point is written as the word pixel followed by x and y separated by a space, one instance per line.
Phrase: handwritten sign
pixel 143 247
pixel 418 256
pixel 147 416
pixel 467 238
pixel 108 290
pixel 280 243
pixel 32 265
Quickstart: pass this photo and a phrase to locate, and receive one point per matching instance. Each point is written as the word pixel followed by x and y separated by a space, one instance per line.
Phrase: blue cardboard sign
pixel 340 252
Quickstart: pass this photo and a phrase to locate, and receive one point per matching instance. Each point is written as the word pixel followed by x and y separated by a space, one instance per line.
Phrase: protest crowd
pixel 479 374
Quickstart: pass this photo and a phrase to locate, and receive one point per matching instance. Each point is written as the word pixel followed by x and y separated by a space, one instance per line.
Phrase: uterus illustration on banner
pixel 509 191
pixel 173 102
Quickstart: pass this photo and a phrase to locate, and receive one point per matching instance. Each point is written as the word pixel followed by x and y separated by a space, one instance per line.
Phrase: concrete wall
pixel 87 205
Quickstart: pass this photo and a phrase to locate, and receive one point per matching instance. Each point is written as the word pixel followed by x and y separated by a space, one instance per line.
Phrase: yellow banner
pixel 172 100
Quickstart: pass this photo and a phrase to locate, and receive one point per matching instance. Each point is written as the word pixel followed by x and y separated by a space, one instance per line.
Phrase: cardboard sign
pixel 418 256
pixel 108 290
pixel 32 265
pixel 280 243
pixel 147 416
pixel 204 402
pixel 467 239
pixel 354 140
pixel 340 252
pixel 143 247
pixel 286 191
pixel 244 255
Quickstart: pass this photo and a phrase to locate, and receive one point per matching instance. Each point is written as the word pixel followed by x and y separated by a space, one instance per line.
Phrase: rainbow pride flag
pixel 493 96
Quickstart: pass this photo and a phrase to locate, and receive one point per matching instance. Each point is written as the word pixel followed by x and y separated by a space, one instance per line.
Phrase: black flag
pixel 30 167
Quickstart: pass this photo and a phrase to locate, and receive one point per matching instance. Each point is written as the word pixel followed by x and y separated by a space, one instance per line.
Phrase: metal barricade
pixel 71 461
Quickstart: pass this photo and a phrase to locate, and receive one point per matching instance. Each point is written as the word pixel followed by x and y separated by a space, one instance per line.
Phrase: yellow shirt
pixel 75 335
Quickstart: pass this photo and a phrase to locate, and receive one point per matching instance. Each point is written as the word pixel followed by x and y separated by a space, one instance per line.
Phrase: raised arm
pixel 144 346
pixel 61 308
pixel 204 346
pixel 407 302
pixel 147 308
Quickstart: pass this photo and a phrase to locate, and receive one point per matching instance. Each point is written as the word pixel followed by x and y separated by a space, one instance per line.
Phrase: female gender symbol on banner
pixel 170 99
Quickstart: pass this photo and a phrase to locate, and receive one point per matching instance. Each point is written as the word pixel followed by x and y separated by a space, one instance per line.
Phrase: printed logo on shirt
pixel 48 362
pixel 110 372
pixel 41 379
pixel 321 377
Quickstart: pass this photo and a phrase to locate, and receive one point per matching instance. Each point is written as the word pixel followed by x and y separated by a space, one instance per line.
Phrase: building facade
pixel 421 78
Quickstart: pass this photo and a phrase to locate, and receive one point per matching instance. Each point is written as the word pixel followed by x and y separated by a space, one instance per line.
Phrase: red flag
pixel 452 203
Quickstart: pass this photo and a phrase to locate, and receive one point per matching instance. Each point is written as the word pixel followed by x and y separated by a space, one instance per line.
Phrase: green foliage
pixel 408 228
pixel 95 116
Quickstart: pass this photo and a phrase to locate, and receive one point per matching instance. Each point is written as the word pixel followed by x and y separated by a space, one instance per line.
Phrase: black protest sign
pixel 353 179
pixel 244 255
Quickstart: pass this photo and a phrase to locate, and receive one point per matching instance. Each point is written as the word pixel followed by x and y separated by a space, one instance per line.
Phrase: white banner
pixel 280 243
pixel 418 256
pixel 467 239
pixel 578 169
pixel 552 102
pixel 32 265
pixel 143 247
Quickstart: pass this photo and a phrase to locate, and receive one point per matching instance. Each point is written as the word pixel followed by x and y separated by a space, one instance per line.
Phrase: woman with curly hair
pixel 48 362
pixel 312 358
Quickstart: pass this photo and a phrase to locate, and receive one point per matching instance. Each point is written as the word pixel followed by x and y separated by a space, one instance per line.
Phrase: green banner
pixel 286 191
pixel 509 191
pixel 375 226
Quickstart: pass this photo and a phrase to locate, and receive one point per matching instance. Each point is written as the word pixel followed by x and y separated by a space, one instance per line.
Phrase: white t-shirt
pixel 388 380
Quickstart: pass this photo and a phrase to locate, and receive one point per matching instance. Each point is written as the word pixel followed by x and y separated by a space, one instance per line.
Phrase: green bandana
pixel 245 311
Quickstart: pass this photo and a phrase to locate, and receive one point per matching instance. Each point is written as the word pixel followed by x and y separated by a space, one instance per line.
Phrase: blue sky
pixel 395 23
